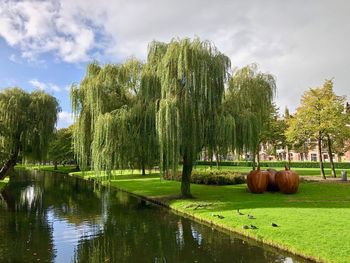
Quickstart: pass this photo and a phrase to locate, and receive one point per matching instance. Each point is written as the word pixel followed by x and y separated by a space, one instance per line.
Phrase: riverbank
pixel 3 183
pixel 49 168
pixel 312 223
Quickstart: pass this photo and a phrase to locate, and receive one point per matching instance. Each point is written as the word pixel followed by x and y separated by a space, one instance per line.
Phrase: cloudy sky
pixel 47 44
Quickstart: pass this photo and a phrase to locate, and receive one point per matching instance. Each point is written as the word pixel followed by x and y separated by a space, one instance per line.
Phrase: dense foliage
pixel 321 117
pixel 27 122
pixel 61 147
pixel 250 101
pixel 115 119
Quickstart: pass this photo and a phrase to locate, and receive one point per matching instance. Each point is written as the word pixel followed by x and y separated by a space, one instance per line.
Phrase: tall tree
pixel 319 117
pixel 250 96
pixel 114 108
pixel 192 76
pixel 61 146
pixel 27 123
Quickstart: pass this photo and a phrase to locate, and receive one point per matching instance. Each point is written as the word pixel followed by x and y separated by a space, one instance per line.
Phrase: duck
pixel 218 216
pixel 245 227
pixel 253 227
pixel 251 216
pixel 274 225
pixel 239 212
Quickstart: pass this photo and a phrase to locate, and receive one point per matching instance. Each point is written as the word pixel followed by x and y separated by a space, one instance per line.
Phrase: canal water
pixel 46 217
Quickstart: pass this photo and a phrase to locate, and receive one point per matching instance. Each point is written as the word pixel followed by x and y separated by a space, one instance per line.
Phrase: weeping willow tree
pixel 115 117
pixel 250 99
pixel 27 122
pixel 192 76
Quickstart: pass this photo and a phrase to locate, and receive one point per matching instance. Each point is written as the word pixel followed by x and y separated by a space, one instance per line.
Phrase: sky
pixel 47 44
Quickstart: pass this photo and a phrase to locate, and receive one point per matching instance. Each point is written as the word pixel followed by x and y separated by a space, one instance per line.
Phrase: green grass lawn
pixel 314 222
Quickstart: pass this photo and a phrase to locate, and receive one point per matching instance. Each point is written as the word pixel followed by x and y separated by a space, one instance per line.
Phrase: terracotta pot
pixel 272 185
pixel 287 181
pixel 257 181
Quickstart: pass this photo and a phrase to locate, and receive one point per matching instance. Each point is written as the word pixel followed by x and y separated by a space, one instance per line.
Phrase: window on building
pixel 325 157
pixel 313 157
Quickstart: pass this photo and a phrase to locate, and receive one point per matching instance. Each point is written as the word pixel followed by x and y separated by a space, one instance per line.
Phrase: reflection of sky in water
pixel 196 235
pixel 180 235
pixel 66 236
pixel 30 195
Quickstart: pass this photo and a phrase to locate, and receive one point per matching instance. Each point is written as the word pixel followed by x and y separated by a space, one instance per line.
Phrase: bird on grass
pixel 218 216
pixel 239 212
pixel 245 227
pixel 253 227
pixel 274 225
pixel 251 216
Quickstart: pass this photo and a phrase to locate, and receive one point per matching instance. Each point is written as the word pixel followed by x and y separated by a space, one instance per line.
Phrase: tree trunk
pixel 186 177
pixel 217 159
pixel 288 155
pixel 339 157
pixel 329 142
pixel 258 157
pixel 253 164
pixel 9 165
pixel 143 169
pixel 320 157
pixel 55 165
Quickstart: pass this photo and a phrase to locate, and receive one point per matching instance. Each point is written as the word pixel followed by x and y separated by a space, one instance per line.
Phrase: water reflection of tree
pixel 128 230
pixel 25 232
pixel 142 234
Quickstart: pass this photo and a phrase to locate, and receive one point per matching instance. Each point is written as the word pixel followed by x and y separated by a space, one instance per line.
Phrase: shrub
pixel 211 177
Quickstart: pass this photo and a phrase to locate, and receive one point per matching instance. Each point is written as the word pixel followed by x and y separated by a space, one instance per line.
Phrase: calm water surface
pixel 47 217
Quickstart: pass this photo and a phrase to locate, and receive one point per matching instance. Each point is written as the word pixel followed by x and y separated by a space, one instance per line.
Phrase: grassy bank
pixel 49 168
pixel 313 223
pixel 3 183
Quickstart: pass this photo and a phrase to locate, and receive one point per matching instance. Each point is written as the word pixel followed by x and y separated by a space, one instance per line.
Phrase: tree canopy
pixel 61 146
pixel 320 116
pixel 27 122
pixel 249 99
pixel 114 108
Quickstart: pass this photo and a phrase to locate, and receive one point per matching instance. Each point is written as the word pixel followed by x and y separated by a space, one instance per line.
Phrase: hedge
pixel 212 177
pixel 277 164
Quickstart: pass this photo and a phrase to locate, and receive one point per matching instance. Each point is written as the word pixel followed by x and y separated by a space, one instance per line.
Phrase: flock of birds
pixel 249 217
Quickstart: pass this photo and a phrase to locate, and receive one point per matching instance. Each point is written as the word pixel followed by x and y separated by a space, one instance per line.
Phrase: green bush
pixel 211 177
pixel 277 164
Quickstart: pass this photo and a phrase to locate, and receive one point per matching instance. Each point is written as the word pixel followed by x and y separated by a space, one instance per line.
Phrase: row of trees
pixel 169 109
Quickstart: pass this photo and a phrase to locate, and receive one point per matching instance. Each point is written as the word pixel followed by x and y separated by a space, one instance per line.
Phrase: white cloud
pixel 37 84
pixel 300 42
pixel 38 27
pixel 65 119
pixel 44 86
